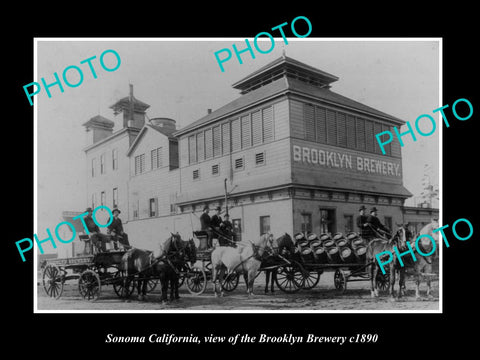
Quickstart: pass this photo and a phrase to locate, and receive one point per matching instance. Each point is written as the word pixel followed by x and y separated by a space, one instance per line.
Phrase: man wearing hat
pixel 97 238
pixel 226 228
pixel 362 222
pixel 215 221
pixel 375 225
pixel 205 223
pixel 116 229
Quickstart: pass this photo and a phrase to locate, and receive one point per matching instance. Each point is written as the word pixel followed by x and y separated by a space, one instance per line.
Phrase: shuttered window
pixel 236 135
pixel 217 141
pixel 331 128
pixel 208 144
pixel 239 163
pixel 387 147
pixel 360 134
pixel 215 169
pixel 321 127
pixel 341 129
pixel 246 132
pixel 139 164
pixel 196 174
pixel 377 128
pixel 351 143
pixel 260 158
pixel 257 127
pixel 309 116
pixel 369 136
pixel 395 145
pixel 200 146
pixel 226 138
pixel 156 158
pixel 192 149
pixel 267 116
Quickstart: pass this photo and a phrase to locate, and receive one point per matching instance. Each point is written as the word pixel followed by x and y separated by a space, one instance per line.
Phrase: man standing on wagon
pixel 116 228
pixel 98 239
pixel 362 222
pixel 205 224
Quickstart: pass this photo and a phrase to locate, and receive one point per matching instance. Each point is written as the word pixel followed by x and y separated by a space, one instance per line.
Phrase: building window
pixel 237 229
pixel 388 222
pixel 267 119
pixel 309 117
pixel 94 165
pixel 102 164
pixel 156 158
pixel 114 159
pixel 306 223
pixel 215 169
pixel 217 141
pixel 257 128
pixel 192 149
pixel 102 198
pixel 208 144
pixel 236 135
pixel 200 146
pixel 139 164
pixel 246 132
pixel 196 174
pixel 135 208
pixel 260 158
pixel 239 164
pixel 348 219
pixel 226 138
pixel 115 197
pixel 264 224
pixel 153 208
pixel 327 221
pixel 94 200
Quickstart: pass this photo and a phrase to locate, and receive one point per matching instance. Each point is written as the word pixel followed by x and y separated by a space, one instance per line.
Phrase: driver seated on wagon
pixel 375 226
pixel 98 239
pixel 116 229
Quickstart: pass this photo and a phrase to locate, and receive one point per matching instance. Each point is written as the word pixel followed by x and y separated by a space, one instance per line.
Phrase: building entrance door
pixel 327 221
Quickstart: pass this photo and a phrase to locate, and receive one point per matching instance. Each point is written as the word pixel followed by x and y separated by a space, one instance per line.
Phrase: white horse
pixel 244 259
pixel 424 264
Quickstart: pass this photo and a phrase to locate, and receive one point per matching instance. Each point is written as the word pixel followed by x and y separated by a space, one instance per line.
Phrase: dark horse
pixel 376 246
pixel 282 247
pixel 143 266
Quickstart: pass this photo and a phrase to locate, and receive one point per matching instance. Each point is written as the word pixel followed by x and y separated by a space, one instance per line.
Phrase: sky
pixel 181 80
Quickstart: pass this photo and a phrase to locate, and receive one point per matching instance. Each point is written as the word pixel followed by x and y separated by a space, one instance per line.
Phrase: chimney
pixel 98 128
pixel 209 111
pixel 133 110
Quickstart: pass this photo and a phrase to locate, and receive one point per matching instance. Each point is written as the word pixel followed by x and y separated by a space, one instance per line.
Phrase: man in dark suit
pixel 205 223
pixel 116 229
pixel 226 228
pixel 376 225
pixel 364 229
pixel 98 239
pixel 215 221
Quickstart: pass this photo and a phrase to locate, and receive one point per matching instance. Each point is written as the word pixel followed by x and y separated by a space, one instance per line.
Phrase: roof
pixel 284 65
pixel 164 131
pixel 124 103
pixel 283 86
pixel 100 121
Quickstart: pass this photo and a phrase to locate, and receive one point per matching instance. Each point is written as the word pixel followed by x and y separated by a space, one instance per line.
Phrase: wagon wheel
pixel 340 280
pixel 53 281
pixel 288 278
pixel 89 285
pixel 310 279
pixel 119 285
pixel 230 283
pixel 183 272
pixel 196 281
pixel 382 282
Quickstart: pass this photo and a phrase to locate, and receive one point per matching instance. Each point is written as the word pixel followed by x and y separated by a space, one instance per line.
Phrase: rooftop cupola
pixel 98 128
pixel 133 110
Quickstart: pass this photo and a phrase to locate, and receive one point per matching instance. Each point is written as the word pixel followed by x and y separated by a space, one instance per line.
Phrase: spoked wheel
pixel 340 280
pixel 120 287
pixel 382 282
pixel 310 279
pixel 289 279
pixel 196 281
pixel 183 271
pixel 89 285
pixel 230 282
pixel 53 281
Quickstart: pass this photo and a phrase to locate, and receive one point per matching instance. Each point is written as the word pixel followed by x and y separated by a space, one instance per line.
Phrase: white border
pixel 289 311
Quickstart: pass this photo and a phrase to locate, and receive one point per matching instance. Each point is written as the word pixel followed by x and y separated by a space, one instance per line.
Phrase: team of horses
pixel 247 257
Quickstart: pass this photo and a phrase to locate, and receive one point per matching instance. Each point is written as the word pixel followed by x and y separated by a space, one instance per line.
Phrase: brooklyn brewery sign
pixel 333 159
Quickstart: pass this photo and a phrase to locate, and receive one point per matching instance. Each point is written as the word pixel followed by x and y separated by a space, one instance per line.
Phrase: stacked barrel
pixel 325 249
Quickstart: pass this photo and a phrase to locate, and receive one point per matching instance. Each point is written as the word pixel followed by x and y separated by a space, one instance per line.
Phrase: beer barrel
pixel 358 242
pixel 320 255
pixel 341 242
pixel 352 236
pixel 334 255
pixel 338 236
pixel 312 237
pixel 299 236
pixel 303 243
pixel 346 253
pixel 328 243
pixel 361 253
pixel 324 237
pixel 315 244
pixel 307 255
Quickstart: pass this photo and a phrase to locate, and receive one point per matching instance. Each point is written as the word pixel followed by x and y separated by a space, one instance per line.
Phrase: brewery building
pixel 288 155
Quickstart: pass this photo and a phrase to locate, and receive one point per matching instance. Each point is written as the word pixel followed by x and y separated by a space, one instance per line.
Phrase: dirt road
pixel 323 297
